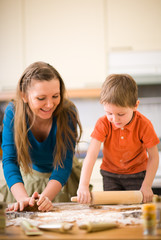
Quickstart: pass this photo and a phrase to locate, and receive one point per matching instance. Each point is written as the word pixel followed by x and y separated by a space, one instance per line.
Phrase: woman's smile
pixel 43 97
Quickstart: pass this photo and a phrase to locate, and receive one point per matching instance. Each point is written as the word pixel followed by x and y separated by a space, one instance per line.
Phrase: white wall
pixel 11 43
pixel 69 34
pixel 75 36
pixel 134 25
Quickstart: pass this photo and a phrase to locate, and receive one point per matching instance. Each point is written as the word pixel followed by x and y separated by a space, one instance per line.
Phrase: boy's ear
pixel 136 105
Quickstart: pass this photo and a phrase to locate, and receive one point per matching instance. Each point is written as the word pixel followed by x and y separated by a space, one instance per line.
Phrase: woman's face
pixel 43 97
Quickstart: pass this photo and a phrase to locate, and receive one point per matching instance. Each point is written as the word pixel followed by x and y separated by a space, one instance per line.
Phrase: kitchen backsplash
pixel 90 110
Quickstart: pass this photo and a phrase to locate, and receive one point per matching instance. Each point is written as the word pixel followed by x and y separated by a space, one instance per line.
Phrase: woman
pixel 39 137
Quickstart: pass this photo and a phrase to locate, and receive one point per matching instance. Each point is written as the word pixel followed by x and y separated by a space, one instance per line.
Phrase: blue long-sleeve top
pixel 41 153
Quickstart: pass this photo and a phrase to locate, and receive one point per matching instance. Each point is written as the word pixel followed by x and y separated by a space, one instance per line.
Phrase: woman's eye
pixel 55 96
pixel 40 99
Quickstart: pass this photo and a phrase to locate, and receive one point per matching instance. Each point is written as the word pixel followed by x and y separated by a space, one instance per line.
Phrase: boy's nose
pixel 115 118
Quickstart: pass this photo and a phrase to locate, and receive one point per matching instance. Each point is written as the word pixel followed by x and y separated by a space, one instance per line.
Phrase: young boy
pixel 130 154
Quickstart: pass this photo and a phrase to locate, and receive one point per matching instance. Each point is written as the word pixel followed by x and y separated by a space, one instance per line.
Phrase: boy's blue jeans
pixel 116 182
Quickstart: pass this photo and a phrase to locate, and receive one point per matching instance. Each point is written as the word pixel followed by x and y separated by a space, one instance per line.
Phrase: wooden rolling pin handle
pixel 114 197
pixel 117 197
pixel 74 199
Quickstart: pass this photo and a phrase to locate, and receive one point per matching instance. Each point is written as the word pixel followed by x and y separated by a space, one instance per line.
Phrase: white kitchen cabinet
pixel 133 25
pixel 70 36
pixel 75 36
pixel 11 43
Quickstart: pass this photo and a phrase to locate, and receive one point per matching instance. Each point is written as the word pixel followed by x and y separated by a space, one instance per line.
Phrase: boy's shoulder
pixel 103 121
pixel 141 118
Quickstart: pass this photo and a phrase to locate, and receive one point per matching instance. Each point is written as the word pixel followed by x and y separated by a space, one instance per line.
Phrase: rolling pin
pixel 98 226
pixel 114 197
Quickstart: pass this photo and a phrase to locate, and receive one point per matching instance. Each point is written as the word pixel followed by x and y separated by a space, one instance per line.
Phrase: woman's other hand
pixel 44 204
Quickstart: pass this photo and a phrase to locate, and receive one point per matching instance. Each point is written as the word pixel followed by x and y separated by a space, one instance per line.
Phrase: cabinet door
pixel 11 43
pixel 70 36
pixel 134 25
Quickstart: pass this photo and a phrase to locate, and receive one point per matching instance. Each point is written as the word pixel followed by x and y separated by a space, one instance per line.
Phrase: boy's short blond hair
pixel 120 90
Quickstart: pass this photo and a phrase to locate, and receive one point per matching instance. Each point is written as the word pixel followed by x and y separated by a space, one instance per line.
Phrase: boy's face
pixel 119 116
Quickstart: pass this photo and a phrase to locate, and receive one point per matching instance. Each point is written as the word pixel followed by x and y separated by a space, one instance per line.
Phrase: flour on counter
pixel 79 213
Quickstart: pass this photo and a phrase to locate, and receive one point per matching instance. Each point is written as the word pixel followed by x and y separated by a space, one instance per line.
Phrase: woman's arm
pixel 11 169
pixel 88 164
pixel 43 200
pixel 19 192
pixel 152 166
pixel 9 159
pixel 52 189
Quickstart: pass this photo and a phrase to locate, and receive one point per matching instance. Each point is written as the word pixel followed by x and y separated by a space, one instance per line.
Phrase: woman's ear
pixel 24 97
pixel 136 105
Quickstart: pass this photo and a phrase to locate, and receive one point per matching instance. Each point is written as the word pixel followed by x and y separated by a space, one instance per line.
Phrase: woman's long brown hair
pixel 66 111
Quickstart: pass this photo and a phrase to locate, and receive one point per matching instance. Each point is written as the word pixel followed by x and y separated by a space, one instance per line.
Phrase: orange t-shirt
pixel 124 149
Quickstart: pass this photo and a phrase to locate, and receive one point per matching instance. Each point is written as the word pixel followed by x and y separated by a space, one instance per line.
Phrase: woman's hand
pixel 147 193
pixel 19 205
pixel 44 204
pixel 83 195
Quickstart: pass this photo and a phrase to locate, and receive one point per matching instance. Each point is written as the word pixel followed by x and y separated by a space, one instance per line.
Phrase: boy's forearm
pixel 89 162
pixel 151 170
pixel 86 173
pixel 150 175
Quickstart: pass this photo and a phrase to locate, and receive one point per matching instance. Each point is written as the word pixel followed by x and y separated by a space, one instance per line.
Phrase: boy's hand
pixel 83 195
pixel 147 193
